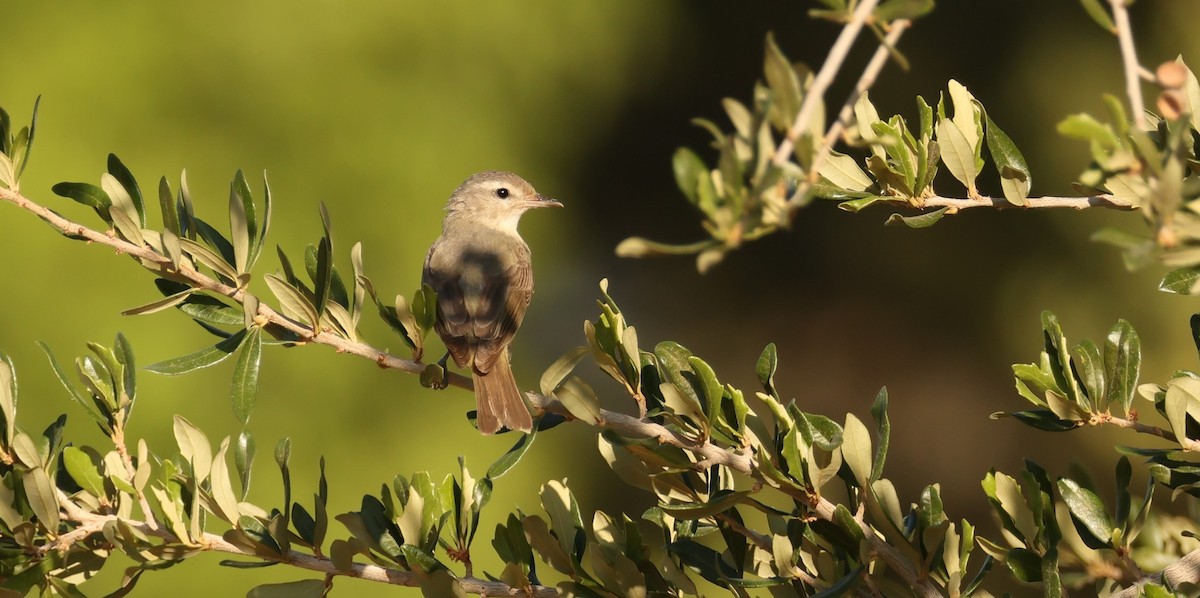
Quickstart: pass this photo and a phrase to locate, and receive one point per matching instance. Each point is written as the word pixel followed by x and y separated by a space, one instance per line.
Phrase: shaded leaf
pixel 923 220
pixel 201 359
pixel 510 459
pixel 1015 179
pixel 245 375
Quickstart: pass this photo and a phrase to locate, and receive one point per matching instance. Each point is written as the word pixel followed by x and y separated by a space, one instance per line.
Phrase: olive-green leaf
pixel 293 302
pixel 856 449
pixel 208 257
pixel 245 375
pixel 1180 281
pixel 243 459
pixel 957 154
pixel 169 208
pixel 1122 364
pixel 85 193
pixel 194 447
pixel 8 391
pixel 1015 179
pixel 579 399
pixel 783 82
pixel 560 369
pixel 883 431
pixel 160 304
pixel 305 588
pixel 719 502
pixel 890 10
pixel 1086 510
pixel 39 492
pixel 201 359
pixel 83 470
pixel 843 171
pixel 565 519
pixel 768 362
pixel 923 220
pixel 221 486
pixel 123 212
pixel 1099 14
pixel 117 169
pixel 510 459
pixel 1089 369
pixel 323 281
pixel 239 225
pixel 688 168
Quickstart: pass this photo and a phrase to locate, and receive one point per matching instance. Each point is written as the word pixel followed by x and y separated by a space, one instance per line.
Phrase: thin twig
pixel 1188 444
pixel 708 452
pixel 1078 203
pixel 815 92
pixel 876 64
pixel 1132 68
pixel 118 438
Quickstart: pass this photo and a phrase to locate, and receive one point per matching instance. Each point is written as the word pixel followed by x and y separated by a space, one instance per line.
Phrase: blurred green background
pixel 381 109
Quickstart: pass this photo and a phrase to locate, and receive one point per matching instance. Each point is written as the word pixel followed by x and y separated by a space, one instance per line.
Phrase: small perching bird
pixel 480 268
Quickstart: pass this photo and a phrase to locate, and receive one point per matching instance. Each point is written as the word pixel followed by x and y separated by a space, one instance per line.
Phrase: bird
pixel 480 269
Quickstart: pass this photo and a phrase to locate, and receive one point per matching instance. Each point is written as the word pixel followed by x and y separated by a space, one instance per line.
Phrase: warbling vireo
pixel 481 271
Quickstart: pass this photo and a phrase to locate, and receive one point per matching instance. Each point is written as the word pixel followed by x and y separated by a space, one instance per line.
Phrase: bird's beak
pixel 545 202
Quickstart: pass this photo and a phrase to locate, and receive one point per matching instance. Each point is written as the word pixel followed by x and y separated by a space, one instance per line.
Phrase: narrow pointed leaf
pixel 201 359
pixel 245 375
pixel 118 170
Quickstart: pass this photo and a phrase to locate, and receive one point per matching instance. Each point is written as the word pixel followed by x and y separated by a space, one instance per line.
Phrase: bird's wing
pixel 453 322
pixel 499 309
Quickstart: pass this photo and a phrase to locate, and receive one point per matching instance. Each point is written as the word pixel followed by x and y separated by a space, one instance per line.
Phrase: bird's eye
pixel 502 193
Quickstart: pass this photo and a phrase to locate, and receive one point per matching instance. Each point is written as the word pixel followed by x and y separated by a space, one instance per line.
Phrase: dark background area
pixel 382 109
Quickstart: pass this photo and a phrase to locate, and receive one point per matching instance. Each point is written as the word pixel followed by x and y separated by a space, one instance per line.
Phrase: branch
pixel 1185 570
pixel 207 283
pixel 708 452
pixel 816 91
pixel 118 438
pixel 1132 67
pixel 91 523
pixel 1188 444
pixel 1078 203
pixel 878 60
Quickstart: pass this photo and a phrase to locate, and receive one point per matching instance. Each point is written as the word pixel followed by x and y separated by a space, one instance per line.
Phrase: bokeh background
pixel 379 109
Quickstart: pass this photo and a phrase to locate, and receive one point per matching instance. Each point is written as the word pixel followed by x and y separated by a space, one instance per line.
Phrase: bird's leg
pixel 445 379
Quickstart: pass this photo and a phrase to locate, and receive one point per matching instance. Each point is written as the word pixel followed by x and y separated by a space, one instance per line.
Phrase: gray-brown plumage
pixel 480 269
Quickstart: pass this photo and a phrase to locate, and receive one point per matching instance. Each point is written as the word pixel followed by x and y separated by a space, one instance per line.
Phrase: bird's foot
pixel 434 375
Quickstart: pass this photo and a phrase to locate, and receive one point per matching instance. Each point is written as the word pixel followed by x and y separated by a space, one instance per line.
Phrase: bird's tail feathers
pixel 498 400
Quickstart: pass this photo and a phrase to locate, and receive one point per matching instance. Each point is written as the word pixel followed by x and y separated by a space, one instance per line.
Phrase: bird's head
pixel 496 197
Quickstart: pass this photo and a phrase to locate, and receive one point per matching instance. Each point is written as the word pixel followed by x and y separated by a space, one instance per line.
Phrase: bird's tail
pixel 498 400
